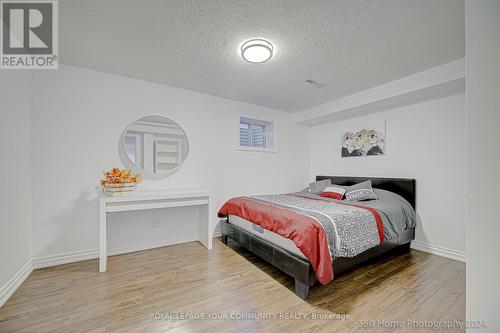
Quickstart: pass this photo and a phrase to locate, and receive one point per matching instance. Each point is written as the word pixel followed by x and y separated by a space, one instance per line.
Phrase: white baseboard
pixel 439 251
pixel 152 245
pixel 11 286
pixel 66 258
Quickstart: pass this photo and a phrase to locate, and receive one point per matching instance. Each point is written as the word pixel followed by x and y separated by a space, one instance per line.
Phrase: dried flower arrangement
pixel 117 180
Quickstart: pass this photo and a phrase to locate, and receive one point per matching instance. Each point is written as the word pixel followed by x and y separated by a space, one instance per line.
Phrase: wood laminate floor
pixel 181 284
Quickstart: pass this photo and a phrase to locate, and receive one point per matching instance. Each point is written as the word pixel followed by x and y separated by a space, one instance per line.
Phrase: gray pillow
pixel 319 186
pixel 305 191
pixel 360 191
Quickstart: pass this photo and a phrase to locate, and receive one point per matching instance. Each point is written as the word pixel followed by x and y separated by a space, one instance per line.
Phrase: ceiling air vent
pixel 315 83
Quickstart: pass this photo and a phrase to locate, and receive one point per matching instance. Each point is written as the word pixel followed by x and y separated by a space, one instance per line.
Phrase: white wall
pixel 483 160
pixel 15 223
pixel 425 141
pixel 78 117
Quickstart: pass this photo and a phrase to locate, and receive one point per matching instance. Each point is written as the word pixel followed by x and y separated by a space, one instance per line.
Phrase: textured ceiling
pixel 344 46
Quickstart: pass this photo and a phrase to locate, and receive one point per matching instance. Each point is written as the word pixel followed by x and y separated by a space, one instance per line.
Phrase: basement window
pixel 256 135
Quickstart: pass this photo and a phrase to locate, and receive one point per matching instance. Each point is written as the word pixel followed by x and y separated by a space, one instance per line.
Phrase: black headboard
pixel 405 187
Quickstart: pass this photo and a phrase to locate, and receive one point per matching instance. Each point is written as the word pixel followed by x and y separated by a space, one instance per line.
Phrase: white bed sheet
pixel 270 236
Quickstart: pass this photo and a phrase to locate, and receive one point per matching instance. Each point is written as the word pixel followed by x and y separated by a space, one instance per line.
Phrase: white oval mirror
pixel 154 147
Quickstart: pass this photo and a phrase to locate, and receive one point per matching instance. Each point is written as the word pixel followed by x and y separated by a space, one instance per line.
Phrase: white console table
pixel 152 200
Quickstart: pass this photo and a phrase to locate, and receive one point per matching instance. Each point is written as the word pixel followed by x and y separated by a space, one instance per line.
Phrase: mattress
pixel 270 236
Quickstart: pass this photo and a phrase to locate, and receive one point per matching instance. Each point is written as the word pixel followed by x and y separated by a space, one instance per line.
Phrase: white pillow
pixel 333 192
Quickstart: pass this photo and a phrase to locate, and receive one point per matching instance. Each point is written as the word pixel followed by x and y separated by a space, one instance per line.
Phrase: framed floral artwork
pixel 364 142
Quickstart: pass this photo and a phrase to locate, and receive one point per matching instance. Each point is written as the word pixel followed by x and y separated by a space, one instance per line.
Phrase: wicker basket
pixel 115 189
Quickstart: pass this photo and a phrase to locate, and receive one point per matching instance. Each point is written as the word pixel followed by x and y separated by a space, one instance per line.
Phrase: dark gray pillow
pixel 319 186
pixel 360 191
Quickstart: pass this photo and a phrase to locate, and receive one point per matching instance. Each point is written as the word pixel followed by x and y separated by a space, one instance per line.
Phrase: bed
pixel 315 254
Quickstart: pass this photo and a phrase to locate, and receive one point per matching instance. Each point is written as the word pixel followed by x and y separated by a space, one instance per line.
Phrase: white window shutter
pixel 256 133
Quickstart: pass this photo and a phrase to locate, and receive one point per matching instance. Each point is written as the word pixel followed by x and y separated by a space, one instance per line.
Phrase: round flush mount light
pixel 257 50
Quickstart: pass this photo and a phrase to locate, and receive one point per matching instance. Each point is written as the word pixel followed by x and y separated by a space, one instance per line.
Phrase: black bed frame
pixel 300 268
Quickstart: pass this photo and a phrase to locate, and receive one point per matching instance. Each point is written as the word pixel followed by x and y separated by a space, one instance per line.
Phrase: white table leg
pixel 103 238
pixel 204 228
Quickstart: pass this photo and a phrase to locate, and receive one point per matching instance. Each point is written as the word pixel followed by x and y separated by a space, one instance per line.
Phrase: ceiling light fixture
pixel 257 50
